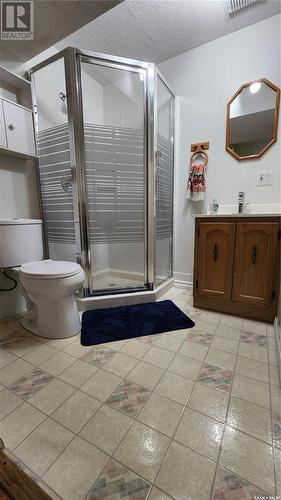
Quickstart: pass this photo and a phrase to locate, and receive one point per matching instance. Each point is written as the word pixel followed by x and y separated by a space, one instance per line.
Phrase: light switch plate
pixel 264 178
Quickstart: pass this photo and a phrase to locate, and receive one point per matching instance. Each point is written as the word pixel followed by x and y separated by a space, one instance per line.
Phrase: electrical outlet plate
pixel 264 178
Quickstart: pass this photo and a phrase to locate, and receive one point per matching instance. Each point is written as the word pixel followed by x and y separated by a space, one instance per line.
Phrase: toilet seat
pixel 50 269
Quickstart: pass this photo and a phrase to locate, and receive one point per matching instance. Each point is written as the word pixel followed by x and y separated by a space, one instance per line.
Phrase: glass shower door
pixel 164 182
pixel 114 136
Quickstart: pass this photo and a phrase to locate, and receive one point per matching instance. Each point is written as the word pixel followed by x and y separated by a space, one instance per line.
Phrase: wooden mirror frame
pixel 275 126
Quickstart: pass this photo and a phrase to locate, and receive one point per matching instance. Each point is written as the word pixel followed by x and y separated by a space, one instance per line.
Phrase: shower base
pixel 116 279
pixel 124 299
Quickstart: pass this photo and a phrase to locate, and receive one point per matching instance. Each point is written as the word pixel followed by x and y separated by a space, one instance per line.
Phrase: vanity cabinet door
pixel 19 128
pixel 215 250
pixel 255 253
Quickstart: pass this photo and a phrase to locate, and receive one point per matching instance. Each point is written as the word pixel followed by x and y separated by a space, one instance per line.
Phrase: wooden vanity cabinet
pixel 236 265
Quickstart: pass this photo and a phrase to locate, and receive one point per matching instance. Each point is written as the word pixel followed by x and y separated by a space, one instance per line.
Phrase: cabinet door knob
pixel 11 127
pixel 254 255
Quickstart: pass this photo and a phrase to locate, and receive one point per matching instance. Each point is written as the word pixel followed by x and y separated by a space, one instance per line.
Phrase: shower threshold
pixel 124 299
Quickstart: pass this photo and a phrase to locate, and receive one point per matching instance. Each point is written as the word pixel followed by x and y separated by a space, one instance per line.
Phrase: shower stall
pixel 105 146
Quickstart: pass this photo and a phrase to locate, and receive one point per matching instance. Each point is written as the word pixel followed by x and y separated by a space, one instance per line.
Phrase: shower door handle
pixel 158 155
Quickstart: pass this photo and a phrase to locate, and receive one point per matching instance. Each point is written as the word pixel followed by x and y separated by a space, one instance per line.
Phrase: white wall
pixel 204 79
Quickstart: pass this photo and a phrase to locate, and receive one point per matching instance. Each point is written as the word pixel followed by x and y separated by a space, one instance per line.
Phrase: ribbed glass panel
pixel 56 184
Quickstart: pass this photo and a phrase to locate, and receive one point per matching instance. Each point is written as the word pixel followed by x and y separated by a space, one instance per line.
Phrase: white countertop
pixel 244 214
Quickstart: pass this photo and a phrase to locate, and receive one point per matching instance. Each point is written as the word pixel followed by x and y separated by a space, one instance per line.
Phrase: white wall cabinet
pixel 17 135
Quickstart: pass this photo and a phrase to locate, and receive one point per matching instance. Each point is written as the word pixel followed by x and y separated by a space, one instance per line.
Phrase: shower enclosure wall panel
pixel 105 202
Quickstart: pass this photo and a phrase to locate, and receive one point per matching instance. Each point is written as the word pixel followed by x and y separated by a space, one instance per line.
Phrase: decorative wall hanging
pixel 196 184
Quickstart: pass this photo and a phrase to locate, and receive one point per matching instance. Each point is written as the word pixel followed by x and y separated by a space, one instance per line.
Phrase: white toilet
pixel 47 285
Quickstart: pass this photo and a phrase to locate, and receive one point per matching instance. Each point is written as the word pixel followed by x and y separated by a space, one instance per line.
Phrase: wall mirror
pixel 252 119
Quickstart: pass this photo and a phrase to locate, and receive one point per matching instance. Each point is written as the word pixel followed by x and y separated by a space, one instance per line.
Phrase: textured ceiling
pixel 54 20
pixel 155 30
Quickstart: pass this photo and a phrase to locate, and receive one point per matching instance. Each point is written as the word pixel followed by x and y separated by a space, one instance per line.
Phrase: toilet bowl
pixel 48 287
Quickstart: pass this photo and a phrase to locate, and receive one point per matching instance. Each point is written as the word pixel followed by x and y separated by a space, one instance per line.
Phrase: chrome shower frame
pixel 73 58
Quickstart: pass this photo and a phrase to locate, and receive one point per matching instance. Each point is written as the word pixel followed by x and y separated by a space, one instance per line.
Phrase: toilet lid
pixel 50 268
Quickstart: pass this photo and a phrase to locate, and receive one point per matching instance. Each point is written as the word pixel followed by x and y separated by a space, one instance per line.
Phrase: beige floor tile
pixel 76 469
pixel 17 425
pixel 251 390
pixel 6 358
pixel 224 344
pixel 211 317
pixel 254 326
pixel 272 357
pixel 48 490
pixel 76 349
pixel 230 486
pixel 276 398
pixel 106 429
pixel 248 457
pixel 200 433
pixel 57 363
pixel 169 342
pixel 161 414
pixel 253 352
pixel 249 418
pixel 252 368
pixel 277 458
pixel 274 375
pixel 193 350
pixel 22 466
pixel 158 357
pixel 142 450
pixel 118 482
pixel 180 334
pixel 135 349
pixel 43 445
pixel 75 412
pixel 23 346
pixel 185 475
pixel 220 358
pixel 51 396
pixel 40 354
pixel 232 321
pixel 117 345
pixel 101 385
pixel 78 373
pixel 187 367
pixel 209 401
pixel 14 371
pixel 228 332
pixel 8 402
pixel 205 326
pixel 156 494
pixel 61 344
pixel 145 375
pixel 120 364
pixel 175 387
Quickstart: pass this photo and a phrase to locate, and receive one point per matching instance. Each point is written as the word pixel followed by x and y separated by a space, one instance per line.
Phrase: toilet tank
pixel 20 241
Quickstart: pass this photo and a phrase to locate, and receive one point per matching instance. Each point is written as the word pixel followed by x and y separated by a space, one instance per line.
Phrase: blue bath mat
pixel 126 322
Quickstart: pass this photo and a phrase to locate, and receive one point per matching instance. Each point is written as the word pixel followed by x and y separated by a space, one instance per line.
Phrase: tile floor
pixel 190 414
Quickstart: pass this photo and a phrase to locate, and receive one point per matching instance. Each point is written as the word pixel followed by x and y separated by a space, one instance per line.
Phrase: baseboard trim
pixel 183 284
pixel 276 329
